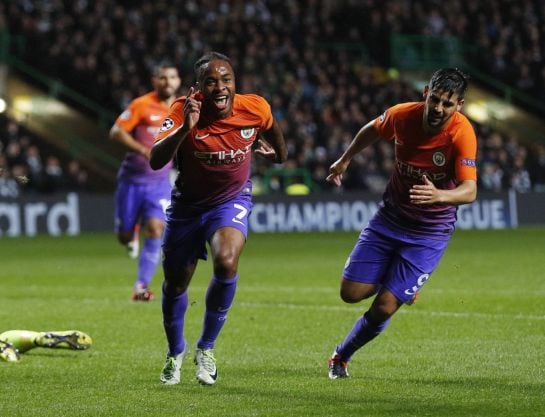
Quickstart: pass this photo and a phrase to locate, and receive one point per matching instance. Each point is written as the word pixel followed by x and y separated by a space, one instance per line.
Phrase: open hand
pixel 265 150
pixel 424 194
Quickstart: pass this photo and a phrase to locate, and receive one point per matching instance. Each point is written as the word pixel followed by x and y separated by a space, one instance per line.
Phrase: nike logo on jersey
pixel 201 137
pixel 155 117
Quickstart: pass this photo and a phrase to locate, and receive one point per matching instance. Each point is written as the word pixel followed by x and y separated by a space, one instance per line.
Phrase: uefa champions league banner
pixel 73 214
pixel 331 212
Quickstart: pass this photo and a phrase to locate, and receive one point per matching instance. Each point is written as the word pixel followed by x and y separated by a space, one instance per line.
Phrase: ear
pixel 425 92
pixel 460 104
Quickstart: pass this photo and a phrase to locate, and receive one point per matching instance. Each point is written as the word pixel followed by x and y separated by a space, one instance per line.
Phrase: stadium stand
pixel 323 65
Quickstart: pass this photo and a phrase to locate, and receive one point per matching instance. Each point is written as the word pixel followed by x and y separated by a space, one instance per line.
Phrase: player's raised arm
pixel 273 146
pixel 167 143
pixel 366 136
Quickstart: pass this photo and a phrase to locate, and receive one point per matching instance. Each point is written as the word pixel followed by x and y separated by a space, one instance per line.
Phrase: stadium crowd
pixel 320 63
pixel 27 166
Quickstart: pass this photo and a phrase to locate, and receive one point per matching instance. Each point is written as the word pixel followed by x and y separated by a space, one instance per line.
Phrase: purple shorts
pixel 185 237
pixel 393 259
pixel 136 202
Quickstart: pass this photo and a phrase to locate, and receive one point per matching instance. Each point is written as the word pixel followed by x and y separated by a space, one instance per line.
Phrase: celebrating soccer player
pixel 435 151
pixel 210 132
pixel 142 194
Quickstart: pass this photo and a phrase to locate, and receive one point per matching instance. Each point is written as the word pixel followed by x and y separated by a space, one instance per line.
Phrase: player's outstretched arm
pixel 366 136
pixel 273 146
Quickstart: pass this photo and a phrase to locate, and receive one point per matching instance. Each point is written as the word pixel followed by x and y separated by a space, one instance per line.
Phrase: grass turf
pixel 474 344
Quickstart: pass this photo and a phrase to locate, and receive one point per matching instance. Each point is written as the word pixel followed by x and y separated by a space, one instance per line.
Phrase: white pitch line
pixel 406 310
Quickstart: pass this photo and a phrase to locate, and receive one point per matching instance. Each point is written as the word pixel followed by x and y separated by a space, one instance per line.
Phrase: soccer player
pixel 14 342
pixel 435 151
pixel 210 132
pixel 143 194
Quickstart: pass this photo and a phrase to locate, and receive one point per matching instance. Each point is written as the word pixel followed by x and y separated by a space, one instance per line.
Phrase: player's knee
pixel 174 287
pixel 350 296
pixel 154 230
pixel 225 264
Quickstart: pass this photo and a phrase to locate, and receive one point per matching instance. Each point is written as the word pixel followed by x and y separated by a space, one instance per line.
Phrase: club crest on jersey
pixel 439 159
pixel 167 124
pixel 247 133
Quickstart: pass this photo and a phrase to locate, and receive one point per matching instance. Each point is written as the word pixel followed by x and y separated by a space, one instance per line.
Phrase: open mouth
pixel 221 102
pixel 434 120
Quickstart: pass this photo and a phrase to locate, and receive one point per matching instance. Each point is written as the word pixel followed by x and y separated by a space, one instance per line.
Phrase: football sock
pixel 147 262
pixel 365 329
pixel 219 297
pixel 174 308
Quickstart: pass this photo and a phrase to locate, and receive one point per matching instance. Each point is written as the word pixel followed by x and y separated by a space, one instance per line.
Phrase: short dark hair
pixel 206 58
pixel 449 79
pixel 158 66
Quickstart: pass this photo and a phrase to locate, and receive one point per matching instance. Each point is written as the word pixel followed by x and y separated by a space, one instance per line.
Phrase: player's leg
pixel 174 306
pixel 127 207
pixel 183 245
pixel 228 229
pixel 148 259
pixel 365 329
pixel 8 352
pixel 155 199
pixel 133 247
pixel 24 340
pixel 408 272
pixel 363 276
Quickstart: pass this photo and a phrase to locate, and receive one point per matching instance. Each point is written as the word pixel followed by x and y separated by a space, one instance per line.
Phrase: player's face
pixel 217 84
pixel 439 107
pixel 166 82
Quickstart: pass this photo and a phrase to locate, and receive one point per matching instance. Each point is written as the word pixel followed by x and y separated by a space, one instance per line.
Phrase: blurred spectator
pixel 537 167
pixel 8 185
pixel 323 67
pixel 53 175
pixel 76 177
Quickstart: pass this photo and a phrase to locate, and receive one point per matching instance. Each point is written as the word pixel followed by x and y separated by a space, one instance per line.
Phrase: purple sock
pixel 148 260
pixel 219 297
pixel 174 308
pixel 363 332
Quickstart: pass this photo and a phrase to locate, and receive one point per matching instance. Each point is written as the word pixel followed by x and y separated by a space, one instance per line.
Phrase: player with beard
pixel 210 133
pixel 142 194
pixel 435 151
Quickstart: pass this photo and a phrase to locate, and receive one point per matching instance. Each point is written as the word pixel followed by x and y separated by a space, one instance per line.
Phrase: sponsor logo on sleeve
pixel 167 125
pixel 469 163
pixel 126 115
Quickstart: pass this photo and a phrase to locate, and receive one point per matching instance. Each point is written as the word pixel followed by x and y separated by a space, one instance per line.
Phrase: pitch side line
pixel 407 310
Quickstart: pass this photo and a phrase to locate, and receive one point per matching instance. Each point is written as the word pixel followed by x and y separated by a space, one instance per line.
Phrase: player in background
pixel 14 342
pixel 143 194
pixel 435 151
pixel 210 132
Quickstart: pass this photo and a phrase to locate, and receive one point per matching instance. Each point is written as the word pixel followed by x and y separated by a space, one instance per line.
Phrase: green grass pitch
pixel 473 345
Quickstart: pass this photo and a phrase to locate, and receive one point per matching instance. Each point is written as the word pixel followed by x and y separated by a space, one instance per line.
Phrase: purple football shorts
pixel 185 237
pixel 394 259
pixel 135 202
